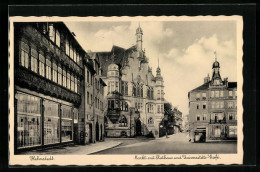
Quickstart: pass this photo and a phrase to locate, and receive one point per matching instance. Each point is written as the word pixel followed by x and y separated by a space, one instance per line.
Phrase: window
pixel 64 82
pixel 54 72
pixel 59 75
pixel 221 104
pixel 232 131
pixel 204 95
pixel 91 98
pixel 71 51
pixel 134 90
pixel 87 97
pixel 150 121
pixel 74 54
pixel 112 86
pixel 122 121
pixel 158 108
pixel 230 104
pixel 216 93
pixel 57 41
pixel 235 104
pixel 77 59
pixel 48 69
pixel 34 60
pixel 77 86
pixel 198 95
pixel 117 86
pixel 142 94
pixel 68 80
pixel 95 102
pixel 28 120
pixel 231 116
pixel 162 110
pixel 42 65
pixel 204 106
pixel 51 122
pixel 87 76
pixel 109 87
pixel 212 93
pixel 212 105
pixel 24 56
pixel 217 104
pixel 221 93
pixel 198 106
pixel 198 117
pixel 51 32
pixel 66 123
pixel 230 94
pixel 72 83
pixel 204 118
pixel 67 47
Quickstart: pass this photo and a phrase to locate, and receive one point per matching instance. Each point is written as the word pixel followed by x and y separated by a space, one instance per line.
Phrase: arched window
pixel 141 89
pixel 123 121
pixel 134 90
pixel 150 120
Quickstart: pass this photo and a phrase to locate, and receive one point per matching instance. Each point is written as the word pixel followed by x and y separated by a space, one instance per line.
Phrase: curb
pixel 105 149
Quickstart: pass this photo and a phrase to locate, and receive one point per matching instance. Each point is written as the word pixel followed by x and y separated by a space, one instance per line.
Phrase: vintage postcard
pixel 157 90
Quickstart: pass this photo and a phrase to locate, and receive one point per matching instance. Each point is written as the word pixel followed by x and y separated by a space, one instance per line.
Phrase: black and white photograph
pixel 126 90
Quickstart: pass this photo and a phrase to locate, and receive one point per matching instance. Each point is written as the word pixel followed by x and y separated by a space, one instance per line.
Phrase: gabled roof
pixel 120 57
pixel 202 87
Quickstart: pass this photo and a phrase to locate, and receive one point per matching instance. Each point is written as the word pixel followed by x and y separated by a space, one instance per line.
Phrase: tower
pixel 216 78
pixel 139 38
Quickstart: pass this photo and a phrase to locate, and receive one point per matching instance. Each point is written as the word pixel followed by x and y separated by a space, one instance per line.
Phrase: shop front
pixel 42 122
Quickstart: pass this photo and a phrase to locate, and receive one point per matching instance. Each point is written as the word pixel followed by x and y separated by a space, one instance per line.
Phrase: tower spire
pixel 215 53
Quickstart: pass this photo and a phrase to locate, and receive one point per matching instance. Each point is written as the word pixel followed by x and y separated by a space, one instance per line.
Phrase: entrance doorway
pixel 138 128
pixel 90 133
pixel 97 131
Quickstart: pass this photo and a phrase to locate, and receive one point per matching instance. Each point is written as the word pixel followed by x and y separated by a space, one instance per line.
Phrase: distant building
pixel 135 98
pixel 213 107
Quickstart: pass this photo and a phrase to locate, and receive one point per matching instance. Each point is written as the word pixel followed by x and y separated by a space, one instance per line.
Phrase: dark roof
pixel 202 87
pixel 232 85
pixel 120 57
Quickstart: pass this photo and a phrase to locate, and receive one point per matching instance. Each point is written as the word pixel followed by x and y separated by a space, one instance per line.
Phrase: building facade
pixel 48 74
pixel 135 97
pixel 213 107
pixel 49 87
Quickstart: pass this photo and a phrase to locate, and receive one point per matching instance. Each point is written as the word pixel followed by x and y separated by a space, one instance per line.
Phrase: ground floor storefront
pixel 200 132
pixel 43 121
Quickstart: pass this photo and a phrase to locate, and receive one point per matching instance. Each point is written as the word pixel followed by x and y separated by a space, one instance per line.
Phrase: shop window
pixel 66 123
pixel 122 121
pixel 42 65
pixel 51 122
pixel 54 72
pixel 28 120
pixel 34 60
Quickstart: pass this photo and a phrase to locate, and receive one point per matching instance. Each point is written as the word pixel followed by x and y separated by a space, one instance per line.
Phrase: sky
pixel 185 49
